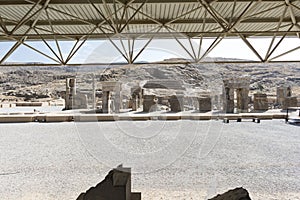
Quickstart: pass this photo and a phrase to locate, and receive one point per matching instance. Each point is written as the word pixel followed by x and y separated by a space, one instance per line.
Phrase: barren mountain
pixel 29 83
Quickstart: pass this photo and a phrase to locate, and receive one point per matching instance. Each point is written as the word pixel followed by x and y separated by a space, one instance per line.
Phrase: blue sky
pixel 96 51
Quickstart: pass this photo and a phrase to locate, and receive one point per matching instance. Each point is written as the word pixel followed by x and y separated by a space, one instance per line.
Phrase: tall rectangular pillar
pixel 229 100
pixel 205 104
pixel 149 103
pixel 135 103
pixel 106 102
pixel 260 102
pixel 242 99
pixel 176 103
pixel 111 95
pixel 70 93
pixel 282 93
pixel 289 102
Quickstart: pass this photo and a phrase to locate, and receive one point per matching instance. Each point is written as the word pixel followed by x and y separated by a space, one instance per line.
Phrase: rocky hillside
pixel 264 77
pixel 29 83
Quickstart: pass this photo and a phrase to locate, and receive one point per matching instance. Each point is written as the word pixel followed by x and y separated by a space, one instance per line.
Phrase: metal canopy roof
pixel 79 20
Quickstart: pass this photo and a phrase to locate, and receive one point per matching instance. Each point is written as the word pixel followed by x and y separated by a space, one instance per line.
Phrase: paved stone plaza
pixel 169 159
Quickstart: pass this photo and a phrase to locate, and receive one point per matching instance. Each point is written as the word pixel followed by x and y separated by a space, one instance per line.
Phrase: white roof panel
pixel 76 18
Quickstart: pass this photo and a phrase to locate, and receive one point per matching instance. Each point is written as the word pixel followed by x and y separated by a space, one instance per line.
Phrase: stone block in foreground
pixel 115 186
pixel 235 194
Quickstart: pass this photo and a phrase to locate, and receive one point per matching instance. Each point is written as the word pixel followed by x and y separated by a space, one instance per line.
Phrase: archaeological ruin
pixel 260 102
pixel 240 86
pixel 74 99
pixel 171 95
pixel 285 98
pixel 115 186
pixel 111 98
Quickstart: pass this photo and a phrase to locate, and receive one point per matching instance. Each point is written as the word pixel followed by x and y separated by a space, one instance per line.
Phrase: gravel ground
pixel 169 159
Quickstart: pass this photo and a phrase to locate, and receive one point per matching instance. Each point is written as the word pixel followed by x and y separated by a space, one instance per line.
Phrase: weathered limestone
pixel 117 102
pixel 94 92
pixel 28 104
pixel 80 101
pixel 235 194
pixel 260 102
pixel 74 100
pixel 229 100
pixel 241 85
pixel 70 93
pixel 289 102
pixel 168 93
pixel 282 93
pixel 111 98
pixel 134 103
pixel 285 99
pixel 115 186
pixel 149 103
pixel 106 102
pixel 190 102
pixel 242 99
pixel 164 84
pixel 205 103
pixel 217 101
pixel 136 94
pixel 176 103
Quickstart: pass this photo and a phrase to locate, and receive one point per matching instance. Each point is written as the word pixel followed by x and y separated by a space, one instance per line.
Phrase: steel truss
pixel 117 22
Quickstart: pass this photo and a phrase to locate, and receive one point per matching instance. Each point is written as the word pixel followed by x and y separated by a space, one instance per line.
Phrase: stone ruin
pixel 73 99
pixel 241 86
pixel 115 186
pixel 284 98
pixel 136 98
pixel 260 102
pixel 111 98
pixel 169 93
pixel 163 90
pixel 235 194
pixel 172 95
pixel 164 84
pixel 204 101
pixel 154 92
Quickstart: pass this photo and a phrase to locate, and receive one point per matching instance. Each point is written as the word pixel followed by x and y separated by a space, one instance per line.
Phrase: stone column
pixel 148 103
pixel 117 102
pixel 176 103
pixel 94 92
pixel 140 98
pixel 229 100
pixel 135 103
pixel 282 93
pixel 72 84
pixel 81 101
pixel 260 102
pixel 204 104
pixel 289 102
pixel 105 102
pixel 136 94
pixel 70 93
pixel 242 99
pixel 111 99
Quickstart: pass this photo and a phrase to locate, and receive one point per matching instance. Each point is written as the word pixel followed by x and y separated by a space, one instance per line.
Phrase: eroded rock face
pixel 115 186
pixel 235 194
